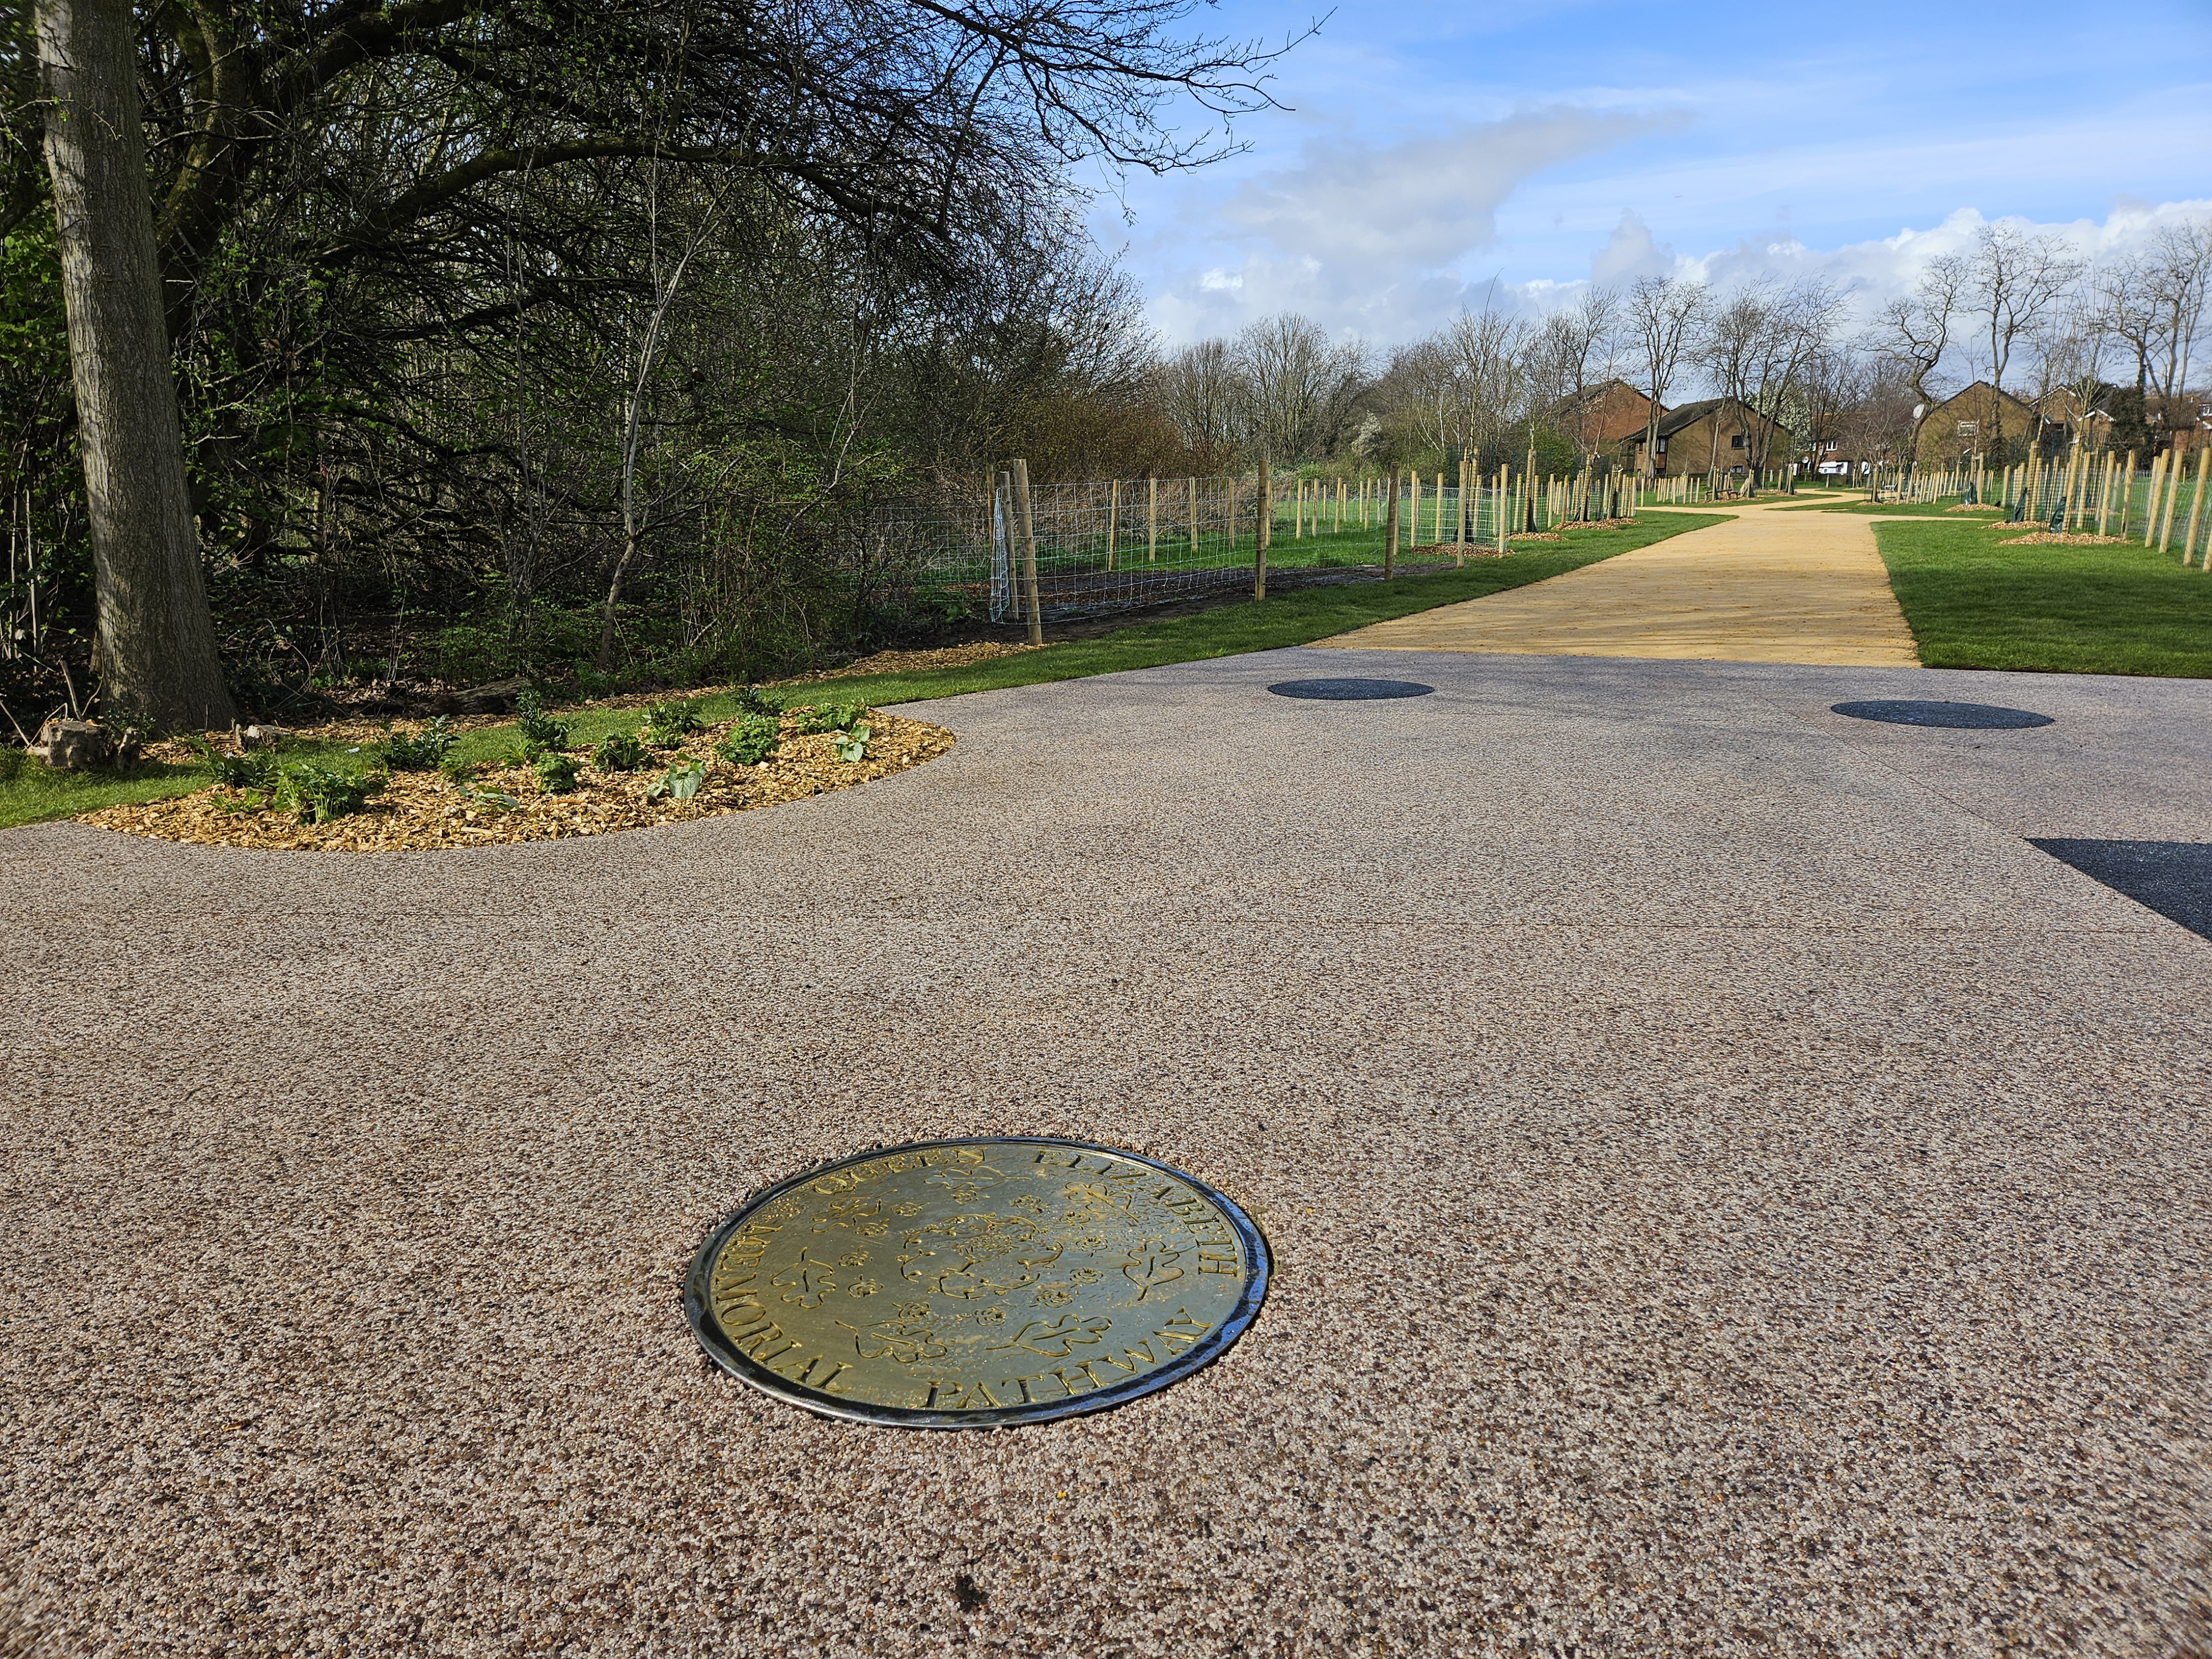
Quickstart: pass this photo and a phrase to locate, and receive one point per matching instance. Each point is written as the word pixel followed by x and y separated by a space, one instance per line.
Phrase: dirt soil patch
pixel 424 810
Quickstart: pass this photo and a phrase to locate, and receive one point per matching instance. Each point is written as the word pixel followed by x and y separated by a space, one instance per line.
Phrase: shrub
pixel 537 727
pixel 754 701
pixel 620 753
pixel 557 774
pixel 257 768
pixel 667 724
pixel 316 794
pixel 831 716
pixel 423 752
pixel 750 741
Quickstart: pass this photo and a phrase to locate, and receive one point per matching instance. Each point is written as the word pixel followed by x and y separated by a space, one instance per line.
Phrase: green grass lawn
pixel 1903 509
pixel 33 793
pixel 1975 602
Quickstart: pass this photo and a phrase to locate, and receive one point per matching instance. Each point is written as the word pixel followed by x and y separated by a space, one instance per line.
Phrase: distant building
pixel 1972 421
pixel 1603 416
pixel 1718 435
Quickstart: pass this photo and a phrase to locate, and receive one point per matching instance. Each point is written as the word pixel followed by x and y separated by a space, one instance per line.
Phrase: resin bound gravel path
pixel 1732 1193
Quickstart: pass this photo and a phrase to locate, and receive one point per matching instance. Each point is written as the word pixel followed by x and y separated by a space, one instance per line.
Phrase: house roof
pixel 1691 414
pixel 1981 391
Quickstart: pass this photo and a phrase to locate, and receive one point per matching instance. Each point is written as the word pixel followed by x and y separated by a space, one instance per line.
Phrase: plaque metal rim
pixel 1204 1352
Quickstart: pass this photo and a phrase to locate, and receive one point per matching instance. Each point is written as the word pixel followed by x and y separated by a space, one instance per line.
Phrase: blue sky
pixel 1430 148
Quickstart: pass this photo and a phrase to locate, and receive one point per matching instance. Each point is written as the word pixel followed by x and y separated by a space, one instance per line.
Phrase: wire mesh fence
pixel 1126 544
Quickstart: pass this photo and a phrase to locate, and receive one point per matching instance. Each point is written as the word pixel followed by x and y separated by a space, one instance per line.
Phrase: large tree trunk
pixel 155 639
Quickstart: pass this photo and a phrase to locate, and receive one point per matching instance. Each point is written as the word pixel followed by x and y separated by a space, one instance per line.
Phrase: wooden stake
pixel 1390 529
pixel 1005 486
pixel 1151 518
pixel 1113 516
pixel 2197 507
pixel 1265 508
pixel 1028 550
pixel 2150 508
pixel 1190 489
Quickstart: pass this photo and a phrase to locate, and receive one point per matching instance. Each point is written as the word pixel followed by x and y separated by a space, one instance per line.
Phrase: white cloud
pixel 1366 237
pixel 1423 202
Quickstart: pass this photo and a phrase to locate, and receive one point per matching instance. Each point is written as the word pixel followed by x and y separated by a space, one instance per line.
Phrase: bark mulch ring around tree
pixel 2059 538
pixel 501 802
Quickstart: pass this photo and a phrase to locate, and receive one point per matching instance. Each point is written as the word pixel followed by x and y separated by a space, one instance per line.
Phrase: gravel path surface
pixel 1731 1194
pixel 1769 585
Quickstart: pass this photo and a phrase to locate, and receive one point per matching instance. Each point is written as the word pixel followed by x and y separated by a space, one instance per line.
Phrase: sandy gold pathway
pixel 1766 586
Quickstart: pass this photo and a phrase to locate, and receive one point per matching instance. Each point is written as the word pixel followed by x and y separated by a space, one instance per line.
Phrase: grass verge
pixel 1298 618
pixel 1976 599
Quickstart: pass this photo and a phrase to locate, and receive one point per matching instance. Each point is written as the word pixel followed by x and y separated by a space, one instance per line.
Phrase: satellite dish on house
pixel 1918 409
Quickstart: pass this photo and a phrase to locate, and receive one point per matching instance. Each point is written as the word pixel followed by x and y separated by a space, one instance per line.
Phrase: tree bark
pixel 156 638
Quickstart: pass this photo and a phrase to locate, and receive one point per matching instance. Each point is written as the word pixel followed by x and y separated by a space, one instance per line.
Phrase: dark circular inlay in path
pixel 1350 691
pixel 1973 716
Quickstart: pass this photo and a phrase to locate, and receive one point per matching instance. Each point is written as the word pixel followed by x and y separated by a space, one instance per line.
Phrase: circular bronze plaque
pixel 972 1284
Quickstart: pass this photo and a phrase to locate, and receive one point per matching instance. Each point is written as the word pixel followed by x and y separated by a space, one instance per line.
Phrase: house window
pixel 1736 442
pixel 1663 445
pixel 1968 428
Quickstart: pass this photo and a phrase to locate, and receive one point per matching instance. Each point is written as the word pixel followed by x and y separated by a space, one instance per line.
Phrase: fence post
pixel 1390 529
pixel 1113 516
pixel 1028 550
pixel 2150 507
pixel 2197 507
pixel 1190 490
pixel 1151 518
pixel 1002 556
pixel 1264 510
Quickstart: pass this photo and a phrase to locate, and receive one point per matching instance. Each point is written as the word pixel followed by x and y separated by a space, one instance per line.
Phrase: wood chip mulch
pixel 2063 538
pixel 423 811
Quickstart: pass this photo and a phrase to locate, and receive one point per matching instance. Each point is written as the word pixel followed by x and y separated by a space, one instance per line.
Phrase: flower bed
pixel 515 800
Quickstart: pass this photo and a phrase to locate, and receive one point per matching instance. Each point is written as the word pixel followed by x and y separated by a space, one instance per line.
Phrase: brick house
pixel 1717 435
pixel 1602 416
pixel 1967 424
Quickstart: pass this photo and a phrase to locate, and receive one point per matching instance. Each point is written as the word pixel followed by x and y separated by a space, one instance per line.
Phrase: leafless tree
pixel 1202 394
pixel 1663 317
pixel 2013 279
pixel 2072 344
pixel 1572 351
pixel 1913 331
pixel 2154 302
pixel 1298 388
pixel 1460 388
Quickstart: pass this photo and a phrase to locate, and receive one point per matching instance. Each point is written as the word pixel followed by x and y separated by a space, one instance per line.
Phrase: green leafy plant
pixel 537 727
pixel 751 740
pixel 620 753
pixel 667 724
pixel 423 751
pixel 257 768
pixel 852 745
pixel 754 701
pixel 528 752
pixel 557 774
pixel 316 794
pixel 681 781
pixel 497 799
pixel 831 716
